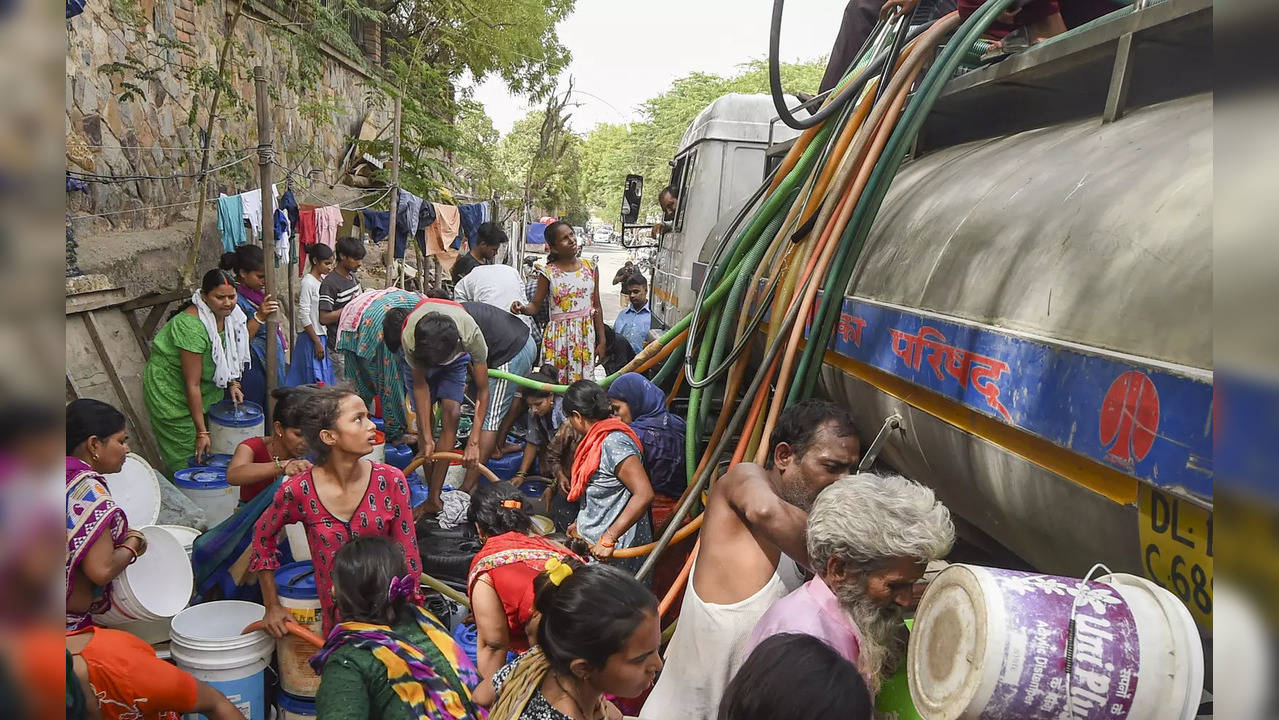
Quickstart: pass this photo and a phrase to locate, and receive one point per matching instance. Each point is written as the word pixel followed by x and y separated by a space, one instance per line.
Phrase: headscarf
pixel 434 680
pixel 660 431
pixel 229 356
pixel 590 452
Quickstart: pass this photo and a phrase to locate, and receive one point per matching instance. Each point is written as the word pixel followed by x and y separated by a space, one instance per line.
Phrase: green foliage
pixel 646 148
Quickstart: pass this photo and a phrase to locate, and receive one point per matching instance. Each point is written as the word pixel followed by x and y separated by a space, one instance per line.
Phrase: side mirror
pixel 632 195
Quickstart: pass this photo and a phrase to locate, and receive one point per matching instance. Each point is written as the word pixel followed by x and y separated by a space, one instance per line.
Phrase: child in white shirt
pixel 310 362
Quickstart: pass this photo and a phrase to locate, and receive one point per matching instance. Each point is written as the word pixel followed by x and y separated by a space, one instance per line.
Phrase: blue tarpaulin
pixel 535 235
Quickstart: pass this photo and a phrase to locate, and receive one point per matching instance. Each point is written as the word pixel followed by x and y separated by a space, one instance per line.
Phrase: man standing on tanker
pixel 753 536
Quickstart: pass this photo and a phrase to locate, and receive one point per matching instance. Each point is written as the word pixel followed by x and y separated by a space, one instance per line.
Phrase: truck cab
pixel 720 162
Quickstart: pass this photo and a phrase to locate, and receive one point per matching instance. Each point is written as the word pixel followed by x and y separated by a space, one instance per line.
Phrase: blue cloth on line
pixel 290 205
pixel 472 218
pixel 231 222
pixel 378 223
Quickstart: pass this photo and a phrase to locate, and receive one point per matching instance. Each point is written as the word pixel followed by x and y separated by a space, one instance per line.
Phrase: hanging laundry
pixel 378 224
pixel 472 218
pixel 306 234
pixel 408 208
pixel 327 221
pixel 251 203
pixel 283 230
pixel 290 205
pixel 425 217
pixel 445 228
pixel 231 222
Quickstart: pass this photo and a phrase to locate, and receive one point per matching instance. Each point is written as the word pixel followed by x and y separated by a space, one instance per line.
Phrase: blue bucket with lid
pixel 295 708
pixel 231 424
pixel 218 461
pixel 208 488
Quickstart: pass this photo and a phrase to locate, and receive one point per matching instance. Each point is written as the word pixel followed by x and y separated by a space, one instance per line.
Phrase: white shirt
pixel 251 208
pixel 496 285
pixel 308 309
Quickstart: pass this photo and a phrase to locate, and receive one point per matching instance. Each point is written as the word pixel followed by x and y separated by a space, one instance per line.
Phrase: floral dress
pixel 568 342
pixel 384 511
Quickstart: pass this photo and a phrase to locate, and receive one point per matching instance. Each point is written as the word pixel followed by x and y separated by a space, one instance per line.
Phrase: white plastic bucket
pixel 295 586
pixel 207 643
pixel 208 488
pixel 230 425
pixel 296 534
pixel 185 535
pixel 136 490
pixel 992 644
pixel 156 587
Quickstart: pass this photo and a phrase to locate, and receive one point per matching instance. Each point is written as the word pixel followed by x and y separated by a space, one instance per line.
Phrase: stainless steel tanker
pixel 1034 301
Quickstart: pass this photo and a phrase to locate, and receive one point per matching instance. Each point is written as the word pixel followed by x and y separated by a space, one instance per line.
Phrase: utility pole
pixel 266 153
pixel 389 260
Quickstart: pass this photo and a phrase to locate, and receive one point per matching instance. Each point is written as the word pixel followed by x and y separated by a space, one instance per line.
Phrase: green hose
pixel 855 233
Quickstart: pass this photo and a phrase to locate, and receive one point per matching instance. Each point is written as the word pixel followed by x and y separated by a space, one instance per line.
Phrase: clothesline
pixel 141 209
pixel 98 178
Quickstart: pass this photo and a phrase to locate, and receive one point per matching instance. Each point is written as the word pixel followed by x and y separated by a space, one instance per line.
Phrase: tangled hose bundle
pixel 788 256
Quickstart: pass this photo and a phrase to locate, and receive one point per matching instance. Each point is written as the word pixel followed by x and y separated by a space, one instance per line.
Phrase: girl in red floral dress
pixel 341 498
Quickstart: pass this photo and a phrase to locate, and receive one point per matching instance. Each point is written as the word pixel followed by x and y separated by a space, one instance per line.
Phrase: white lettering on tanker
pixel 1047 674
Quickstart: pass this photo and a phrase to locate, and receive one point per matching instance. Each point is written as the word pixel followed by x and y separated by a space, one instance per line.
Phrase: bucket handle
pixel 294 629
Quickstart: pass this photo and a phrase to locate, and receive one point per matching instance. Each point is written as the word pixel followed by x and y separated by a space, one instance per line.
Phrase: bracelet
pixel 258 316
pixel 132 552
pixel 521 473
pixel 607 543
pixel 202 432
pixel 279 466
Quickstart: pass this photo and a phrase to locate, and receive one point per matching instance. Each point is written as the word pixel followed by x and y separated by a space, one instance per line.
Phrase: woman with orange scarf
pixel 608 477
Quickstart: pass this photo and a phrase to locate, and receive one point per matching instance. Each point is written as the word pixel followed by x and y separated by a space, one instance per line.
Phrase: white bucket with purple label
pixel 998 645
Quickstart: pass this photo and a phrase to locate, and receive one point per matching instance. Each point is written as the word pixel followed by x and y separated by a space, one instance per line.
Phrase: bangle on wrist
pixel 205 433
pixel 607 543
pixel 258 316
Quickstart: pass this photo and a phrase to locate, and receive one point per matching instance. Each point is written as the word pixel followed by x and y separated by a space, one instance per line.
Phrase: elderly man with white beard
pixel 870 539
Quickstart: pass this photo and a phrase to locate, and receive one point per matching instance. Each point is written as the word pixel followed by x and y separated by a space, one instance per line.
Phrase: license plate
pixel 1176 548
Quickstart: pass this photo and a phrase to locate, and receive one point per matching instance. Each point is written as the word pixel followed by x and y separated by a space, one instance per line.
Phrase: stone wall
pixel 150 133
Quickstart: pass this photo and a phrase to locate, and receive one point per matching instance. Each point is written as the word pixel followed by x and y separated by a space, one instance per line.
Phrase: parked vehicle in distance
pixel 603 235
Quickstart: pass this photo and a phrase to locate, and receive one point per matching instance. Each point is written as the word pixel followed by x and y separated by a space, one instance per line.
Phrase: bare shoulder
pixel 741 480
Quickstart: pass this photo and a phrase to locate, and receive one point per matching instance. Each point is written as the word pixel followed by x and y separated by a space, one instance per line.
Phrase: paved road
pixel 611 259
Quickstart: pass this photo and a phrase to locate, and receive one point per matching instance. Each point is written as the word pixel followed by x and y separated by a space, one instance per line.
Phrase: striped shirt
pixel 335 292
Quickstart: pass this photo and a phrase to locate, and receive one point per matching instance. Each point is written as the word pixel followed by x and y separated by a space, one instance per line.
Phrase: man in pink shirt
pixel 869 538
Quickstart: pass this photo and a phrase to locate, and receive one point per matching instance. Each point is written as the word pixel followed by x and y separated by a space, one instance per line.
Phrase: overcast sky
pixel 625 52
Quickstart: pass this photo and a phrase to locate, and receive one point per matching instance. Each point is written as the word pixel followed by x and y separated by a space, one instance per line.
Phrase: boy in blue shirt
pixel 635 320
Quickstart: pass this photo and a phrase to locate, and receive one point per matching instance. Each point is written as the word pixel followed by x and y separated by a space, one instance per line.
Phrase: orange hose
pixel 294 629
pixel 675 387
pixel 418 461
pixel 678 585
pixel 630 552
pixel 662 354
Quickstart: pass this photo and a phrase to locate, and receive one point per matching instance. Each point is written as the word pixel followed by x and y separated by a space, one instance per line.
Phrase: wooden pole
pixel 395 192
pixel 266 153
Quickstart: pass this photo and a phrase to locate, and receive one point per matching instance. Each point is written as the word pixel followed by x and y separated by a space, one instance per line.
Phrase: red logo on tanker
pixel 1129 418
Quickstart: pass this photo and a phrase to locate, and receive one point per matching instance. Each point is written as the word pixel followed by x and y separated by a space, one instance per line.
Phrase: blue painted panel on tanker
pixel 1142 420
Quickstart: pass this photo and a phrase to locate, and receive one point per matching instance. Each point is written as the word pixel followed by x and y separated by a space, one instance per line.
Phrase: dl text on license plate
pixel 1176 548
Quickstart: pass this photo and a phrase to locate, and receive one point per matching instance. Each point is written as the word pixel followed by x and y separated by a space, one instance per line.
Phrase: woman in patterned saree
pixel 100 544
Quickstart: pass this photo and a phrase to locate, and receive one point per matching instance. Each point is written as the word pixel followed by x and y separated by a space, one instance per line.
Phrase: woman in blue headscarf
pixel 642 405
